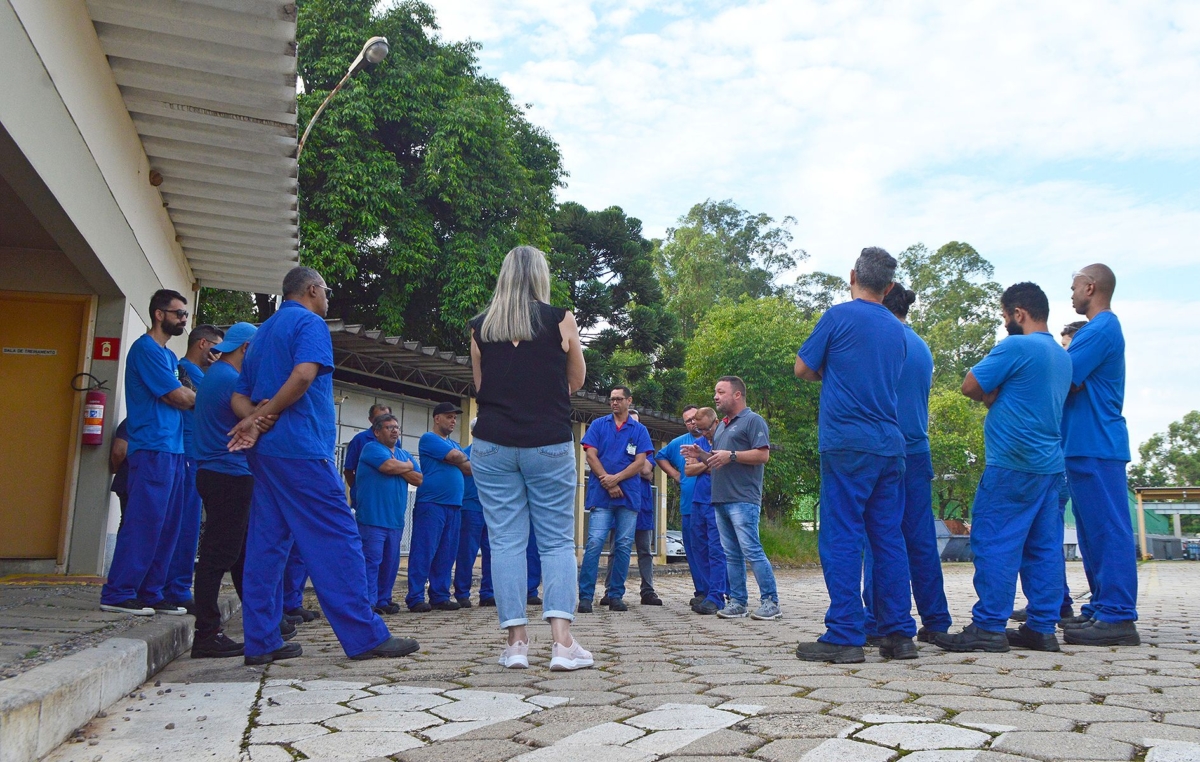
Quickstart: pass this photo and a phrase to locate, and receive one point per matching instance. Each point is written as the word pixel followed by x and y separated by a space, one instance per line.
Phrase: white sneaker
pixel 566 659
pixel 515 656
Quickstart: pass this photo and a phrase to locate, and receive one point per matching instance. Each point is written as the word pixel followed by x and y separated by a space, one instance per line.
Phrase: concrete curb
pixel 42 707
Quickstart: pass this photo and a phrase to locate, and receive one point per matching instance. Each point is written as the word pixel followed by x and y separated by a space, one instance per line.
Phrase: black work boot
pixel 1019 615
pixel 1104 634
pixel 972 639
pixel 288 651
pixel 926 635
pixel 1071 622
pixel 1024 637
pixel 897 647
pixel 831 652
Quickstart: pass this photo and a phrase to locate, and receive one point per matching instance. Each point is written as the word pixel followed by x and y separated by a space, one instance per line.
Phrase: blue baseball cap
pixel 237 335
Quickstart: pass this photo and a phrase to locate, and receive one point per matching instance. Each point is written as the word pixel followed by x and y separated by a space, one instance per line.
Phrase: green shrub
pixel 787 544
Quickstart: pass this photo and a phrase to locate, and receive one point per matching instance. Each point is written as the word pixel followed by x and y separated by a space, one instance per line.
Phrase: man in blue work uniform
pixel 355 447
pixel 1015 525
pixel 670 459
pixel 616 447
pixel 1096 445
pixel 150 526
pixel 706 537
pixel 920 536
pixel 285 398
pixel 192 366
pixel 472 540
pixel 857 352
pixel 643 536
pixel 437 514
pixel 226 486
pixel 384 472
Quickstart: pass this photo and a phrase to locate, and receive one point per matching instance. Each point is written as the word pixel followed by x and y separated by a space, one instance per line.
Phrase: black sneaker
pixel 132 606
pixel 420 608
pixel 605 600
pixel 831 652
pixel 585 607
pixel 216 646
pixel 533 600
pixel 189 605
pixel 287 630
pixel 464 603
pixel 289 651
pixel 926 635
pixel 1019 615
pixel 616 604
pixel 706 607
pixel 391 648
pixel 695 601
pixel 170 609
pixel 651 599
pixel 1071 622
pixel 875 641
pixel 306 615
pixel 972 639
pixel 1104 634
pixel 1024 637
pixel 486 602
pixel 897 647
pixel 447 605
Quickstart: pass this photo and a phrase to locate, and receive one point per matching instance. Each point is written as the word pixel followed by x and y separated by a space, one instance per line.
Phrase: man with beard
pixel 155 400
pixel 1016 527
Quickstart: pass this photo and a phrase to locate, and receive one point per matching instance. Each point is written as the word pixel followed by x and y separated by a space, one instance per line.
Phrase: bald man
pixel 1096 446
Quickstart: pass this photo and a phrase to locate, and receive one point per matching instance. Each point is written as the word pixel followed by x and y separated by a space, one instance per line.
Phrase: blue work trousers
pixel 601 520
pixel 699 583
pixel 1016 530
pixel 183 561
pixel 737 524
pixel 709 553
pixel 303 501
pixel 920 541
pixel 533 563
pixel 472 540
pixel 381 556
pixel 295 577
pixel 862 498
pixel 431 551
pixel 1100 499
pixel 149 529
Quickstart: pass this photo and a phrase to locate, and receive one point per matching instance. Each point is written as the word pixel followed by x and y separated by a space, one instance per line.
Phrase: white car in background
pixel 675 547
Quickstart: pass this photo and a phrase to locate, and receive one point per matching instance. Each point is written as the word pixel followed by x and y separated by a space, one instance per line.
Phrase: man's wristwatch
pixel 733 456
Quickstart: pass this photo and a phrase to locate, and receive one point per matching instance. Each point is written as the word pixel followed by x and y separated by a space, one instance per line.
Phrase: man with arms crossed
pixel 382 477
pixel 437 514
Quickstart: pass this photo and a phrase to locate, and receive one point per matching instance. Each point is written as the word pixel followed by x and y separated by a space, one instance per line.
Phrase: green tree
pixel 606 267
pixel 818 291
pixel 956 447
pixel 958 306
pixel 720 251
pixel 757 340
pixel 419 177
pixel 1171 458
pixel 220 307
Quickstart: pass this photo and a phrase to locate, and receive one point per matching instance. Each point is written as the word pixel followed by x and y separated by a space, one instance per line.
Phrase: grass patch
pixel 787 544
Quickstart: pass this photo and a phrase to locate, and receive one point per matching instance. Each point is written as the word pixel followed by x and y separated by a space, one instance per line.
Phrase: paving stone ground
pixel 671 685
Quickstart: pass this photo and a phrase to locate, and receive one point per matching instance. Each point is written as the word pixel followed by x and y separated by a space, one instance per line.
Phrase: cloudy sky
pixel 1047 135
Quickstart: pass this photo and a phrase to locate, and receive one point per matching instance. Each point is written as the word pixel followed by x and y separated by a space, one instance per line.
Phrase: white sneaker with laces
pixel 566 659
pixel 515 656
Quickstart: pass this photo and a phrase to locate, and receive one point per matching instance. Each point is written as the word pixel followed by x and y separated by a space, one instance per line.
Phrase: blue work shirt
pixel 350 463
pixel 912 393
pixel 702 494
pixel 1093 423
pixel 1021 431
pixel 673 455
pixel 382 498
pixel 189 416
pixel 307 429
pixel 645 518
pixel 150 374
pixel 214 420
pixel 444 482
pixel 616 447
pixel 859 348
pixel 470 492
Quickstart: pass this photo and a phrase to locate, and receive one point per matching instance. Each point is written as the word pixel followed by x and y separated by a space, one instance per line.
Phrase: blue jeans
pixel 381 552
pixel 473 538
pixel 738 526
pixel 920 540
pixel 524 488
pixel 709 553
pixel 149 529
pixel 431 551
pixel 183 562
pixel 1099 497
pixel 1016 530
pixel 623 523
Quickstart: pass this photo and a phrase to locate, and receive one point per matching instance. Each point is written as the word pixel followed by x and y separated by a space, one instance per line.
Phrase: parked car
pixel 675 547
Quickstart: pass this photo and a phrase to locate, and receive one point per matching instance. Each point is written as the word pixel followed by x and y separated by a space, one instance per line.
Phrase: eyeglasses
pixel 328 291
pixel 617 399
pixel 180 314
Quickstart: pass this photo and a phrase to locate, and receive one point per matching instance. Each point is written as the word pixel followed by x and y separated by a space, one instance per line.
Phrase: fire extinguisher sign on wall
pixel 93 407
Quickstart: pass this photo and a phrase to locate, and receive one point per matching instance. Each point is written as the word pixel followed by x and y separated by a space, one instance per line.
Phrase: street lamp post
pixel 374 51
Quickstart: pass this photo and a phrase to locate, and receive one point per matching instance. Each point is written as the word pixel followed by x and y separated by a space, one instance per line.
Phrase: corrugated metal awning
pixel 211 88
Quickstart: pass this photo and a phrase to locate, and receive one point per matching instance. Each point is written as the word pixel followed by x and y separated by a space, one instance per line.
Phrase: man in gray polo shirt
pixel 741 448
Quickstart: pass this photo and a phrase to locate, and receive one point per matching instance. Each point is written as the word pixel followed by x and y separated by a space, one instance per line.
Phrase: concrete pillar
pixel 660 512
pixel 1177 522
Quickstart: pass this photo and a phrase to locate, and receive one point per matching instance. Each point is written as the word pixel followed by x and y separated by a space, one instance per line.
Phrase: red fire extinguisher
pixel 93 408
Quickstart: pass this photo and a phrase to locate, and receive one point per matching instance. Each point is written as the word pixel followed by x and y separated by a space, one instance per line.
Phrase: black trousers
pixel 223 544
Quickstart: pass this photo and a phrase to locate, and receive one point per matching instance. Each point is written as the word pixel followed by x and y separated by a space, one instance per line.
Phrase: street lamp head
pixel 374 51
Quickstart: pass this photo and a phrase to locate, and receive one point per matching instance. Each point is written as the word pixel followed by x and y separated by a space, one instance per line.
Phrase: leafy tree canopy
pixel 818 291
pixel 421 174
pixel 757 340
pixel 720 251
pixel 956 447
pixel 1170 459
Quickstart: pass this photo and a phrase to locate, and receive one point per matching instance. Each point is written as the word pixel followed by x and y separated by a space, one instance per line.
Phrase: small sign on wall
pixel 106 348
pixel 30 351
